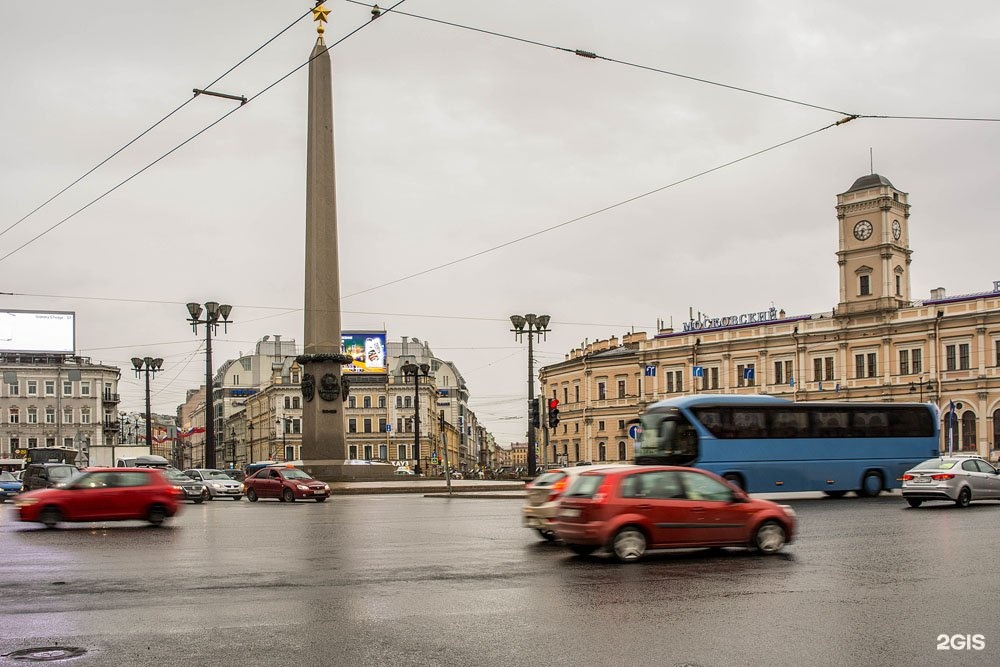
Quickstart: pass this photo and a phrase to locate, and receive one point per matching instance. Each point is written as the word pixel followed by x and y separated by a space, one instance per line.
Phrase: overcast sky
pixel 450 142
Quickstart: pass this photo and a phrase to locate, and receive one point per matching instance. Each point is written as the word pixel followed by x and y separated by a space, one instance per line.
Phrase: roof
pixel 870 181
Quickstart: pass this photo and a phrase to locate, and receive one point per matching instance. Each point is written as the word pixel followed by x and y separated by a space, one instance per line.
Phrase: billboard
pixel 367 348
pixel 37 331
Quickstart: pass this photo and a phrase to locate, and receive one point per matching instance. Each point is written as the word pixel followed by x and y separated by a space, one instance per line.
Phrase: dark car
pixel 629 509
pixel 46 475
pixel 286 483
pixel 10 485
pixel 103 494
pixel 190 489
pixel 235 473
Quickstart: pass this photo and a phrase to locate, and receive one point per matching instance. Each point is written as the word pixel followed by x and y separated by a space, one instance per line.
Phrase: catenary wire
pixel 151 127
pixel 191 138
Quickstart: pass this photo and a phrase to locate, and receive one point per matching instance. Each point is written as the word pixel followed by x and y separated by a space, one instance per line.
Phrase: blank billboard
pixel 37 331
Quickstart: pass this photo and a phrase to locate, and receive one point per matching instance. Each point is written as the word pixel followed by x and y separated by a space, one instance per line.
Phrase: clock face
pixel 862 230
pixel 896 229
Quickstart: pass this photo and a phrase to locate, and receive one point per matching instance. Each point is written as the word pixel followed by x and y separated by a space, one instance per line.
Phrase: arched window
pixel 622 452
pixel 996 429
pixel 407 402
pixel 576 448
pixel 399 401
pixel 969 430
pixel 602 452
pixel 367 401
pixel 381 401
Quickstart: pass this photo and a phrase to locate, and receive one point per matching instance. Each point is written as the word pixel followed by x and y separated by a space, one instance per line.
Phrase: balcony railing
pixel 108 397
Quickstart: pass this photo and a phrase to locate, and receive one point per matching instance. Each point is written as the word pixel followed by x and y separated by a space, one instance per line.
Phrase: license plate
pixel 319 493
pixel 569 512
pixel 922 480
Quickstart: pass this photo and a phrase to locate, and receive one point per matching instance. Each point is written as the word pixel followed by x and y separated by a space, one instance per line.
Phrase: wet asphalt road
pixel 409 580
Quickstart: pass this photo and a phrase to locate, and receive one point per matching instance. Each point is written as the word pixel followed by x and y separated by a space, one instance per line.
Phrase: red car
pixel 629 509
pixel 103 494
pixel 286 483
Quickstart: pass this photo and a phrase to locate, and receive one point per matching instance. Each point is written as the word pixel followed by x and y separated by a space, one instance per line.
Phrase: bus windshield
pixel 667 438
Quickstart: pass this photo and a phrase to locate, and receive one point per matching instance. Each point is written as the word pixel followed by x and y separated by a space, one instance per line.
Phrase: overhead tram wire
pixel 193 136
pixel 151 127
pixel 598 211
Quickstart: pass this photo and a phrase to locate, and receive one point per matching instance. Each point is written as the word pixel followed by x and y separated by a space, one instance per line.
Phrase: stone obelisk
pixel 324 448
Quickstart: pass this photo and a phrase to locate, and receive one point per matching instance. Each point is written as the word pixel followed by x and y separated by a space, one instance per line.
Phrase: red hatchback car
pixel 629 509
pixel 286 483
pixel 103 494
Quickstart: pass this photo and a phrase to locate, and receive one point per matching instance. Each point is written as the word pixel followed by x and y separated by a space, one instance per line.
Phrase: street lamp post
pixel 231 459
pixel 214 314
pixel 416 370
pixel 147 365
pixel 282 423
pixel 532 325
pixel 250 429
pixel 913 388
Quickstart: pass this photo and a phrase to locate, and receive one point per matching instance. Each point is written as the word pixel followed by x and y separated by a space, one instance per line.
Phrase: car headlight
pixel 218 485
pixel 243 487
pixel 302 487
pixel 25 502
pixel 326 486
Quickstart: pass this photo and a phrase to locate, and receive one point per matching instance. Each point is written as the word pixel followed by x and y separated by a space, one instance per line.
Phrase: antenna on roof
pixel 871 160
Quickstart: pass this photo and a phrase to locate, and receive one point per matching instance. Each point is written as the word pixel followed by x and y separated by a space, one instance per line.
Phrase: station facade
pixel 877 344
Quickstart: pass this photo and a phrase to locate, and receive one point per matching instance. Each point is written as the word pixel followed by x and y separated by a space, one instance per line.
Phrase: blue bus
pixel 769 444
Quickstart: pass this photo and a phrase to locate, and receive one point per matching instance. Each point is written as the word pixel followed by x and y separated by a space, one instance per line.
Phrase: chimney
pixel 937 293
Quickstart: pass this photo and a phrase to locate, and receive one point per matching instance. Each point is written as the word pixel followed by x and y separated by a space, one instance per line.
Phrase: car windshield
pixel 177 476
pixel 585 486
pixel 936 464
pixel 215 474
pixel 61 472
pixel 548 479
pixel 294 473
pixel 7 477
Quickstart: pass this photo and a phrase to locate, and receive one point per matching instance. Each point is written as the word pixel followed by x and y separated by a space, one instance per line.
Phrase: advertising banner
pixel 368 351
pixel 37 331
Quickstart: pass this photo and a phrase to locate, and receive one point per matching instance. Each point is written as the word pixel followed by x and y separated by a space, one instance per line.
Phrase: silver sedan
pixel 960 479
pixel 218 483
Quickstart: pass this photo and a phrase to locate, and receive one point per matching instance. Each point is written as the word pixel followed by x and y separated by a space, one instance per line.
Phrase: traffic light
pixel 553 412
pixel 533 414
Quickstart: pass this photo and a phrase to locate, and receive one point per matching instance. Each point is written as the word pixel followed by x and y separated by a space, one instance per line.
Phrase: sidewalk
pixel 467 488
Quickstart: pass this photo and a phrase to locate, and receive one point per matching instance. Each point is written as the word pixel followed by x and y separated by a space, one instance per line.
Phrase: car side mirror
pixel 740 497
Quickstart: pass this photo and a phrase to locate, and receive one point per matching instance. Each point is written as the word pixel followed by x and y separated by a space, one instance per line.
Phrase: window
pixel 296 425
pixel 949 355
pixel 295 377
pixel 576 427
pixel 956 357
pixel 621 389
pixel 602 452
pixel 963 357
pixel 576 448
pixel 67 388
pixel 407 402
pixel 50 415
pixel 84 415
pixel 296 402
pixel 621 424
pixel 352 452
pixel 864 286
pixel 969 430
pixel 15 416
pixel 622 451
pixel 565 394
pixel 745 375
pixel 866 365
pixel 399 425
pixel 383 452
pixel 368 425
pixel 601 391
pixel 399 401
pixel 703 487
pixel 13 388
pixel 352 425
pixel 916 360
pixel 288 402
pixel 85 388
pixel 32 387
pixel 401 452
pixel 904 362
pixel 67 415
pixel 600 425
pixel 50 388
pixel 366 401
pixel 710 378
pixel 576 388
pixel 408 424
pixel 675 381
pixel 783 371
pixel 381 402
pixel 381 424
pixel 32 415
pixel 899 285
pixel 352 401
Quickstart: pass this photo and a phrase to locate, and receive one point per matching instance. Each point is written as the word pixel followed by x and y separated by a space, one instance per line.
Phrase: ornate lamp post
pixel 214 314
pixel 416 370
pixel 531 325
pixel 250 431
pixel 147 365
pixel 930 388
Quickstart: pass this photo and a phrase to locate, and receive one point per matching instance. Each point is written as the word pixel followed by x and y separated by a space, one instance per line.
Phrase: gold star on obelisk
pixel 319 15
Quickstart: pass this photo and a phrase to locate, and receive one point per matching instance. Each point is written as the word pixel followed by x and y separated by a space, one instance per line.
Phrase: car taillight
pixel 602 491
pixel 558 488
pixel 907 478
pixel 942 476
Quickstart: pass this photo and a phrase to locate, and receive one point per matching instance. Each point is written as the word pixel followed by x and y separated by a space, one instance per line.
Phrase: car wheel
pixel 251 495
pixel 321 499
pixel 583 549
pixel 199 500
pixel 770 537
pixel 629 544
pixel 156 515
pixel 50 516
pixel 207 495
pixel 871 485
pixel 964 497
pixel 288 496
pixel 547 535
pixel 914 502
pixel 735 480
pixel 835 494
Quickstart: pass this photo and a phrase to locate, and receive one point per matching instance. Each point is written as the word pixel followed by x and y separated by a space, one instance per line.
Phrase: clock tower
pixel 874 252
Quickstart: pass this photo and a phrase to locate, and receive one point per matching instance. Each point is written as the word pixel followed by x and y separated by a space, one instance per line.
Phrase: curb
pixel 436 490
pixel 474 494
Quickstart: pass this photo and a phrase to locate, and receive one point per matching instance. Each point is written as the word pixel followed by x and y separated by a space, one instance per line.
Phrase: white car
pixel 401 470
pixel 218 483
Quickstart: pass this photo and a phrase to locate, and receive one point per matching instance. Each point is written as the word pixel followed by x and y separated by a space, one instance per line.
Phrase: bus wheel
pixel 835 494
pixel 736 480
pixel 871 484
